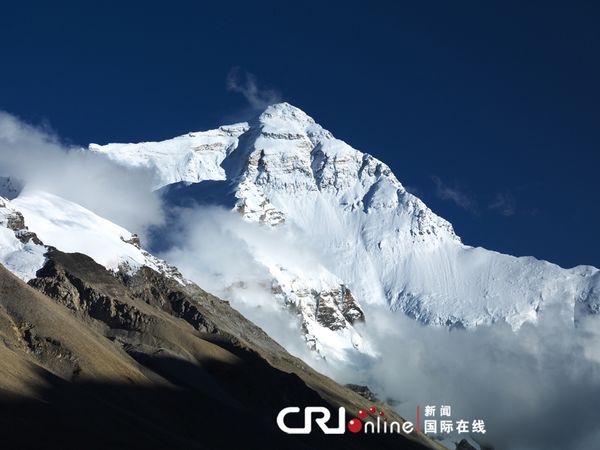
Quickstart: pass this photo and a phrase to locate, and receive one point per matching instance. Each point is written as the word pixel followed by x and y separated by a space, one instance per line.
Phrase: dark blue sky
pixel 490 111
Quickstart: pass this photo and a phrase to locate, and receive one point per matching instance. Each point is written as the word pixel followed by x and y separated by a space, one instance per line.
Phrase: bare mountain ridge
pixel 96 360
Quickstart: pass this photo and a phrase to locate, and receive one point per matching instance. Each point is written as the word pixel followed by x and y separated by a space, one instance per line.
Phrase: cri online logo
pixel 321 415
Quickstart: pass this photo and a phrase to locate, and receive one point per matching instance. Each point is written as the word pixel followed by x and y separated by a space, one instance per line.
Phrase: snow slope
pixel 193 157
pixel 72 228
pixel 19 252
pixel 383 243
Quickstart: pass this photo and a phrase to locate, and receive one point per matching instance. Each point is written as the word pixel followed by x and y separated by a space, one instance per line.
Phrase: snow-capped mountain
pixel 35 220
pixel 378 244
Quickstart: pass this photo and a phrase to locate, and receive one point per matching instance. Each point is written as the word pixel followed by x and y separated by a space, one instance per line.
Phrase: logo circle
pixel 354 425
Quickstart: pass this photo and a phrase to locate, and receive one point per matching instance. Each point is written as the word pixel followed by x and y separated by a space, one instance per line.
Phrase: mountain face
pixel 128 354
pixel 377 243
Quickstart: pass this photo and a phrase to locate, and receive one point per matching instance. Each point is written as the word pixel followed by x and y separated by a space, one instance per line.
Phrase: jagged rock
pixel 349 306
pixel 133 240
pixel 363 391
pixel 16 222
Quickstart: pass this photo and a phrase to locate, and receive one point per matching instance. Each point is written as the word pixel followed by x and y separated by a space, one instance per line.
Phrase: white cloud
pixel 217 249
pixel 458 196
pixel 245 83
pixel 37 157
pixel 504 203
pixel 536 388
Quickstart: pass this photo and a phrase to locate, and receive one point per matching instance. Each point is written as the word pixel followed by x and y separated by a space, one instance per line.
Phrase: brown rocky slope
pixel 93 360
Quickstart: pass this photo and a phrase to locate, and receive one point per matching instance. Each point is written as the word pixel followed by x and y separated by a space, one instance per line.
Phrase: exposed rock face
pixel 133 240
pixel 364 391
pixel 337 308
pixel 16 222
pixel 325 307
pixel 159 363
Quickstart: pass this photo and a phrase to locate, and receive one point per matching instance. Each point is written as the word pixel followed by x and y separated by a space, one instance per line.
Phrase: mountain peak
pixel 283 109
pixel 285 112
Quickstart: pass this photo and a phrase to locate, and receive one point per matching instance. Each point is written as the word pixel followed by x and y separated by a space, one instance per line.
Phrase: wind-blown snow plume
pixel 504 203
pixel 245 83
pixel 458 196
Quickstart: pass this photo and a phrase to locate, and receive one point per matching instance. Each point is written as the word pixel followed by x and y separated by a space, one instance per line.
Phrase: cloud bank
pixel 535 388
pixel 37 157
